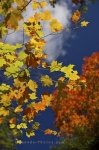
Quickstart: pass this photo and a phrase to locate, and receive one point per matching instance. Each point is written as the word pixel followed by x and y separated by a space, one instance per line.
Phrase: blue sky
pixel 84 43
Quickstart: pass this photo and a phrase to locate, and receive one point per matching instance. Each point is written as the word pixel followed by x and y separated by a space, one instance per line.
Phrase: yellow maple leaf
pixel 43 4
pixel 2 62
pixel 18 109
pixel 22 126
pixel 46 15
pixel 12 126
pixel 55 25
pixel 46 80
pixel 84 23
pixel 55 66
pixel 69 72
pixel 18 83
pixel 37 43
pixel 4 87
pixel 32 85
pixel 29 134
pixel 36 5
pixel 4 112
pixel 33 96
pixel 5 100
pixel 18 141
pixel 10 57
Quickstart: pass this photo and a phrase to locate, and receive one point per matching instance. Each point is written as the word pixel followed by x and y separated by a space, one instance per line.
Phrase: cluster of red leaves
pixel 78 107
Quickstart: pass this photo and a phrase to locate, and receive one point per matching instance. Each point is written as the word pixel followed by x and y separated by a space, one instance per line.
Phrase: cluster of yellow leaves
pixel 12 13
pixel 22 126
pixel 18 126
pixel 33 27
pixel 70 73
pixel 12 61
pixel 37 44
pixel 68 70
pixel 14 68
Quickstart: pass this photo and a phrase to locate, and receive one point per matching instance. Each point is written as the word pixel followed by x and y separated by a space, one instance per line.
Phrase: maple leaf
pixel 10 57
pixel 12 120
pixel 4 112
pixel 19 141
pixel 50 132
pixel 55 25
pixel 46 99
pixel 12 18
pixel 4 87
pixel 39 107
pixel 46 80
pixel 43 3
pixel 22 125
pixel 36 5
pixel 46 15
pixel 18 83
pixel 69 72
pixel 5 100
pixel 22 55
pixel 84 23
pixel 55 66
pixel 32 85
pixel 2 62
pixel 29 113
pixel 36 126
pixel 30 134
pixel 12 126
pixel 76 16
pixel 18 109
pixel 33 96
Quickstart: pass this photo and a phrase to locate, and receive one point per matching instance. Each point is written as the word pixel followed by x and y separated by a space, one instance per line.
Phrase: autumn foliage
pixel 20 65
pixel 76 104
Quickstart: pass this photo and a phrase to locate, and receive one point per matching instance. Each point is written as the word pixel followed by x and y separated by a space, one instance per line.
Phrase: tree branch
pixel 26 5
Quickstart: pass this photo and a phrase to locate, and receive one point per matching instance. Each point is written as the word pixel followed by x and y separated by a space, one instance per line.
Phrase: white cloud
pixel 54 46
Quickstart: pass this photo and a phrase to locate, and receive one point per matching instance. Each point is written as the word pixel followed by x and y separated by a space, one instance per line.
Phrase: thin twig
pixel 26 5
pixel 23 33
